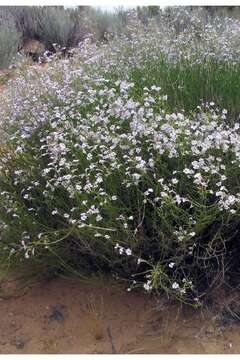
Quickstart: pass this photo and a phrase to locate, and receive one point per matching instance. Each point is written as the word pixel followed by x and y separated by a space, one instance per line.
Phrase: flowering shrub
pixel 102 171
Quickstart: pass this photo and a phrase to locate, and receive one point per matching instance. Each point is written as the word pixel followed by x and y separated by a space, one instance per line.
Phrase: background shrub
pixel 48 24
pixel 27 20
pixel 9 39
pixel 68 27
pixel 55 26
pixel 101 23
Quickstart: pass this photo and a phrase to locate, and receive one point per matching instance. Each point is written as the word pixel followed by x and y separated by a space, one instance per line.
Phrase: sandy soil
pixel 66 316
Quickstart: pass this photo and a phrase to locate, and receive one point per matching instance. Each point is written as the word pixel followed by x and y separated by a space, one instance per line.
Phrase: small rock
pixel 19 343
pixel 210 330
pixel 57 313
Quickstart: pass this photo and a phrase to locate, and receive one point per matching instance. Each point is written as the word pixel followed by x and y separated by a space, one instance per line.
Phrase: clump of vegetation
pixel 103 23
pixel 126 159
pixel 47 24
pixel 26 20
pixel 9 40
pixel 55 26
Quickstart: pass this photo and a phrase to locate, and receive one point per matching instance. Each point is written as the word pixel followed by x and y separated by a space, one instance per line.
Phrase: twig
pixel 114 351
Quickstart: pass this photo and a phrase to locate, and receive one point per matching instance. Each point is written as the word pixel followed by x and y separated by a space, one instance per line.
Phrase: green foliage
pixel 188 83
pixel 125 159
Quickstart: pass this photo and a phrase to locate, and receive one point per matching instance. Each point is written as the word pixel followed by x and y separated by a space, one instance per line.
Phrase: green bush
pixel 136 190
pixel 125 159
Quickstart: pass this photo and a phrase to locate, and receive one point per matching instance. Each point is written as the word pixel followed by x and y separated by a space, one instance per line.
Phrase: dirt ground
pixel 67 316
pixel 4 74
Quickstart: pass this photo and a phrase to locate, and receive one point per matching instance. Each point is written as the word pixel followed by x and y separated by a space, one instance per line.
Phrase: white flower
pixel 147 286
pixel 128 252
pixel 19 149
pixel 98 218
pixel 83 217
pixel 171 264
pixel 187 171
pixel 175 286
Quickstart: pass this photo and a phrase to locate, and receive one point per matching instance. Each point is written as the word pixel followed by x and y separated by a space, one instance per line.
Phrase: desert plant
pixel 26 20
pixel 9 39
pixel 101 23
pixel 56 26
pixel 80 29
pixel 49 24
pixel 125 159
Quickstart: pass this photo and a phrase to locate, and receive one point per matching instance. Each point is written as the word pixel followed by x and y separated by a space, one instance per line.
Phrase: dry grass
pixel 95 310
